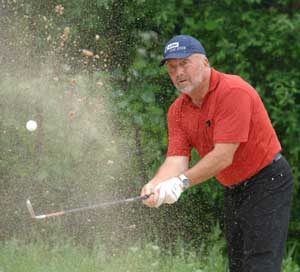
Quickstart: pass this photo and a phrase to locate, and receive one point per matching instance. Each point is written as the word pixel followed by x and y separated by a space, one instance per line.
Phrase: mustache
pixel 179 79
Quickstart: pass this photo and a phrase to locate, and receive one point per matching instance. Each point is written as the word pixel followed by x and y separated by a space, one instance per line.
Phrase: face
pixel 188 74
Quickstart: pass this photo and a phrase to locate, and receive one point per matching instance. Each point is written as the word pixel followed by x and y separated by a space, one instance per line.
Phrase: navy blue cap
pixel 182 46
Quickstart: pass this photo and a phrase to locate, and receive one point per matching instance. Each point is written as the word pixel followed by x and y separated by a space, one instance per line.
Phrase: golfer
pixel 224 119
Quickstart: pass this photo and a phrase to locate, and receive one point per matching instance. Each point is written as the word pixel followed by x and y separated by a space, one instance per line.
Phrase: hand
pixel 148 189
pixel 168 191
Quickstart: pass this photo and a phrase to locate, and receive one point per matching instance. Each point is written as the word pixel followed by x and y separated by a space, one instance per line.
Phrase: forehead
pixel 177 61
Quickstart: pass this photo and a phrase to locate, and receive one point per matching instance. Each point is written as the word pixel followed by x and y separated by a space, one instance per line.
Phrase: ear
pixel 205 61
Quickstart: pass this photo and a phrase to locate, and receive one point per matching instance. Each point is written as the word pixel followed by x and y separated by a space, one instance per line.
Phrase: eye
pixel 171 67
pixel 184 63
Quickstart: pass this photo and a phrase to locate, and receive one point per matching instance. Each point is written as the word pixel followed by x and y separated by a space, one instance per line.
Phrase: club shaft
pixel 91 207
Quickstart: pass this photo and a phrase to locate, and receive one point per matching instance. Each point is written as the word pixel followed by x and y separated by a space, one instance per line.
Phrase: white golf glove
pixel 170 190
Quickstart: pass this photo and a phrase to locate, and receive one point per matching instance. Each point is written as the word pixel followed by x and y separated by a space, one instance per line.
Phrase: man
pixel 224 119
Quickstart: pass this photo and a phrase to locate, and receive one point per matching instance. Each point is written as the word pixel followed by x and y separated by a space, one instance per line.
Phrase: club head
pixel 30 209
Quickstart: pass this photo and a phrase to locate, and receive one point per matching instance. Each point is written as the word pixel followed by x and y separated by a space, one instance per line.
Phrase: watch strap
pixel 185 181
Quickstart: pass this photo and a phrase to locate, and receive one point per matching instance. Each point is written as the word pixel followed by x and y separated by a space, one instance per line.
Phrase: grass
pixel 16 256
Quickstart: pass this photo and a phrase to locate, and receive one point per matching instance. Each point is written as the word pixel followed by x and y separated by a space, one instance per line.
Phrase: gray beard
pixel 185 90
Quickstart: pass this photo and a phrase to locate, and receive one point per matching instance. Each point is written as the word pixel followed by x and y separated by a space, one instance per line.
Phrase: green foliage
pixel 76 157
pixel 288 263
pixel 255 39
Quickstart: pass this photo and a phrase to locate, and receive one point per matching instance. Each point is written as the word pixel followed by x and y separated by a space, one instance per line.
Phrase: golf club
pixel 95 206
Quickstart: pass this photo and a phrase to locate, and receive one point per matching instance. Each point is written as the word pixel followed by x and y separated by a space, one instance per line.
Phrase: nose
pixel 179 72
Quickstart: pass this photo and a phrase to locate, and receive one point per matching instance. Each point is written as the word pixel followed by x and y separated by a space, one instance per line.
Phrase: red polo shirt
pixel 231 112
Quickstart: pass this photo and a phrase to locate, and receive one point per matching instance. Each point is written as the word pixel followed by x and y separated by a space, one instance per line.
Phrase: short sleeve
pixel 178 143
pixel 232 117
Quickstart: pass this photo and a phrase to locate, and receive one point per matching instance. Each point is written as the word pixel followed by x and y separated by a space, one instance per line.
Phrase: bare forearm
pixel 211 164
pixel 170 168
pixel 168 180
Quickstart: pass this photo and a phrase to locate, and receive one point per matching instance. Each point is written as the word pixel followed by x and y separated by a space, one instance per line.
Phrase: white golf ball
pixel 31 125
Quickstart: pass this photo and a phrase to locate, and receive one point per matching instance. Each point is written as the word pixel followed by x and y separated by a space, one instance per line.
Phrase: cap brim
pixel 174 56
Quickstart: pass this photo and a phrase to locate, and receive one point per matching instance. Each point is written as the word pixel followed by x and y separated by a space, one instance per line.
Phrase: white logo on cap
pixel 171 46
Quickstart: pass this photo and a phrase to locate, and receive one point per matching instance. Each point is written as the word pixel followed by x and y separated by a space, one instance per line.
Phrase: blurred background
pixel 87 73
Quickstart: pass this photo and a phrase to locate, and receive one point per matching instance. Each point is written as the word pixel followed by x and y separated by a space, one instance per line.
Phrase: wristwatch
pixel 185 181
